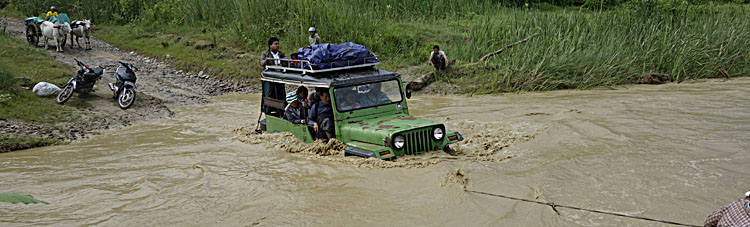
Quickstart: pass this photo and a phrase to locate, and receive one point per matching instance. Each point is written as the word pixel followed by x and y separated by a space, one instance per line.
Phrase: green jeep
pixel 369 110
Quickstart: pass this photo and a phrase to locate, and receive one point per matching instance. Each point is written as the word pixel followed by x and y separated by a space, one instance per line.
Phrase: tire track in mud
pixel 160 88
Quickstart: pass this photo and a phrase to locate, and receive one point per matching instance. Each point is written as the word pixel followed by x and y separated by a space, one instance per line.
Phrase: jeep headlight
pixel 399 141
pixel 438 133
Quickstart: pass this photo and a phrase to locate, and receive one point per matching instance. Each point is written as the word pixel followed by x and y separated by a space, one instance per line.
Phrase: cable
pixel 554 207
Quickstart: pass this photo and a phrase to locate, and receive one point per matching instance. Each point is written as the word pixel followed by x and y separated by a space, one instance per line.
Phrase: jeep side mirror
pixel 408 91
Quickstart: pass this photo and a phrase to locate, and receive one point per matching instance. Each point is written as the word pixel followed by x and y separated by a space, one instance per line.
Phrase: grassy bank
pixel 577 47
pixel 13 143
pixel 21 64
pixel 189 49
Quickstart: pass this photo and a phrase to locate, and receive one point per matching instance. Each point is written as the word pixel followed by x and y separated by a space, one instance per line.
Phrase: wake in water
pixel 484 142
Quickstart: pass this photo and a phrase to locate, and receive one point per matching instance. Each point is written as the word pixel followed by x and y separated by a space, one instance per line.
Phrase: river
pixel 675 152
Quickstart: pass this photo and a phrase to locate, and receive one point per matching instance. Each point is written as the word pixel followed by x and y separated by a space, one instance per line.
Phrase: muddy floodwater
pixel 675 152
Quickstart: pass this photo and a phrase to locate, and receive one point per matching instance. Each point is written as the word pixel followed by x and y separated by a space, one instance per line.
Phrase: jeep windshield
pixel 367 95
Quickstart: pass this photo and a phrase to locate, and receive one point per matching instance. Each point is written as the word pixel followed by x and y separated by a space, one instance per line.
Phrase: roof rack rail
pixel 305 66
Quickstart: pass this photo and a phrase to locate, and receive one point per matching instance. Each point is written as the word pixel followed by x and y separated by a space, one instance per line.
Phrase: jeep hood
pixel 374 130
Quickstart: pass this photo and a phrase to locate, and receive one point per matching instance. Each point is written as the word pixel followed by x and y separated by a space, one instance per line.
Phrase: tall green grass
pixel 20 60
pixel 587 49
pixel 576 47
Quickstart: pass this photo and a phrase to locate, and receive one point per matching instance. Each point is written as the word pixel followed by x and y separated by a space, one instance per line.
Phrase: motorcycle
pixel 124 88
pixel 82 83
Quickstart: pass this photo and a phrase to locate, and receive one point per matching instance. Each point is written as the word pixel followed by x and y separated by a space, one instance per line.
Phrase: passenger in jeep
pixel 348 101
pixel 321 115
pixel 374 97
pixel 293 111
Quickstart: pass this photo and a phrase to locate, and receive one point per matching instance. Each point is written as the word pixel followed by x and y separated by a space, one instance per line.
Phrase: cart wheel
pixel 31 36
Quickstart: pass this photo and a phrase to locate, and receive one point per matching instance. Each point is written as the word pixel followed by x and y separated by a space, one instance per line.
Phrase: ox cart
pixel 34 33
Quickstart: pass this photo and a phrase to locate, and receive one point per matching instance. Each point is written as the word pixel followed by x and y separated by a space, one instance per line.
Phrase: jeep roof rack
pixel 305 66
pixel 331 78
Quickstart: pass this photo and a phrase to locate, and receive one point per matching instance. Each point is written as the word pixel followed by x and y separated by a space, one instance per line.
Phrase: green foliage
pixel 583 44
pixel 14 143
pixel 5 98
pixel 587 49
pixel 16 198
pixel 8 83
pixel 19 60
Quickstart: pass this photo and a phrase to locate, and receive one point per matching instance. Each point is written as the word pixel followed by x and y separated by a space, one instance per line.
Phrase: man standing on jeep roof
pixel 271 56
pixel 314 37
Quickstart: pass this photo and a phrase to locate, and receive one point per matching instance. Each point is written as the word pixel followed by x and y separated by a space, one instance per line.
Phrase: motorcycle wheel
pixel 127 98
pixel 65 94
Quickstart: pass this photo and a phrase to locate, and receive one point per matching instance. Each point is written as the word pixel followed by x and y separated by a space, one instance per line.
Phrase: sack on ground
pixel 45 89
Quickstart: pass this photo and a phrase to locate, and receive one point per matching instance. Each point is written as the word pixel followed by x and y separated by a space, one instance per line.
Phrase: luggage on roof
pixel 328 57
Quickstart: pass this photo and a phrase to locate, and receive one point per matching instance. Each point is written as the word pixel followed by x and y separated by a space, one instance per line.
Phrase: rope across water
pixel 555 206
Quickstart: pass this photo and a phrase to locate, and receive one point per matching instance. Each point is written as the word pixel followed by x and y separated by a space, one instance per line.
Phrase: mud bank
pixel 160 89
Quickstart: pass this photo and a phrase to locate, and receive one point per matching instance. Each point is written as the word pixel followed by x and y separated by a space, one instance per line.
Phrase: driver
pixel 348 101
pixel 52 12
pixel 375 97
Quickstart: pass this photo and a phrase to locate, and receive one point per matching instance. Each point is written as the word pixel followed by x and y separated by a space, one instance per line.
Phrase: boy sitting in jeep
pixel 293 111
pixel 321 115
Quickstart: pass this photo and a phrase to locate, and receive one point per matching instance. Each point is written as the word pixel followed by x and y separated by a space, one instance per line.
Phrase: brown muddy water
pixel 674 152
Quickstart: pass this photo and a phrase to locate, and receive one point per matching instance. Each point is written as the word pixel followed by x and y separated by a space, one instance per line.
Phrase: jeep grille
pixel 417 141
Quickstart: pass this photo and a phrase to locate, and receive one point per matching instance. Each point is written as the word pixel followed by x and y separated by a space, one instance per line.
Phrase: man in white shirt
pixel 438 59
pixel 273 54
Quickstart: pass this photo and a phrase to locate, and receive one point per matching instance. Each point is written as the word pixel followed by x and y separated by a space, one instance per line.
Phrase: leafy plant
pixel 16 198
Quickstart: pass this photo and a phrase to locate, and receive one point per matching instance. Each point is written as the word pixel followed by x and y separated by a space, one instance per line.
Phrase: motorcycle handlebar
pixel 128 65
pixel 81 64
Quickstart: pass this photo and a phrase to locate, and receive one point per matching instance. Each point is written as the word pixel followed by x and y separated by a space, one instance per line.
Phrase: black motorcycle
pixel 124 88
pixel 82 83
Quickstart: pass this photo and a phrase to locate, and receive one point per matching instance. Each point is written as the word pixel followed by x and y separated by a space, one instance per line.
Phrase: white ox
pixel 81 29
pixel 54 31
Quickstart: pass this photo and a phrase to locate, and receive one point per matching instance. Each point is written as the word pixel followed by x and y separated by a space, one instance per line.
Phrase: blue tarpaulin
pixel 327 55
pixel 62 18
pixel 34 20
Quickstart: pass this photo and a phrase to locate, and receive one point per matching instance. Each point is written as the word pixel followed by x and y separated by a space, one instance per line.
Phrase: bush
pixel 8 83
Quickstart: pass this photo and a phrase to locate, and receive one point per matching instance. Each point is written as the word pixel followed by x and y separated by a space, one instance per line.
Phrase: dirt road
pixel 160 88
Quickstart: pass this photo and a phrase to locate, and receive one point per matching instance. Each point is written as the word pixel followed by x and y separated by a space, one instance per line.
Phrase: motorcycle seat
pixel 95 72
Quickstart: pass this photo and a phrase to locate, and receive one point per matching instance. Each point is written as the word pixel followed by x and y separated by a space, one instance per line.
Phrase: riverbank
pixel 575 47
pixel 28 121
